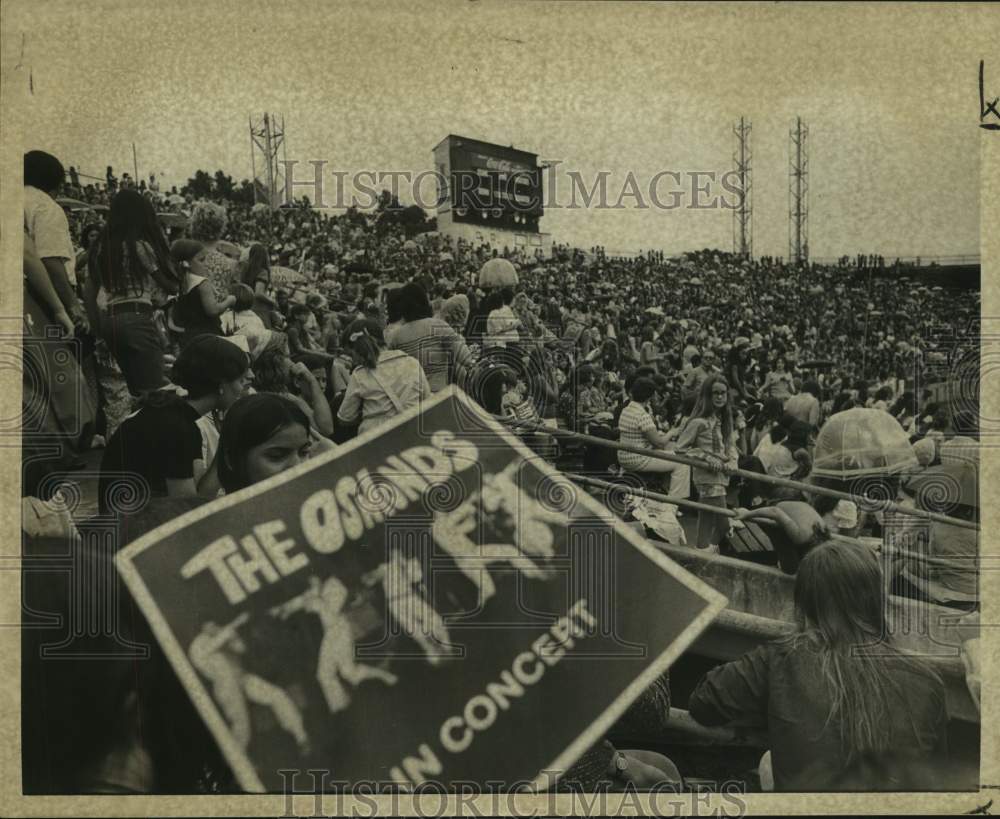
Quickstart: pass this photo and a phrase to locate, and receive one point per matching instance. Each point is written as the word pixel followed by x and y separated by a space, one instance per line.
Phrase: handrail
pixel 888 549
pixel 673 457
pixel 645 493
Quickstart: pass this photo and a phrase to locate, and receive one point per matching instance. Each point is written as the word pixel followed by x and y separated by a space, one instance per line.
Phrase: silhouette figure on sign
pixel 336 650
pixel 216 653
pixel 401 578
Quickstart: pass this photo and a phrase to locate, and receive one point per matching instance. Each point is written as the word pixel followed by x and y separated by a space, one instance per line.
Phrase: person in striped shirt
pixel 638 429
pixel 515 402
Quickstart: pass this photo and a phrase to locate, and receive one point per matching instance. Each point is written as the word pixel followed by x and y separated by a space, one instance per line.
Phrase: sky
pixel 890 96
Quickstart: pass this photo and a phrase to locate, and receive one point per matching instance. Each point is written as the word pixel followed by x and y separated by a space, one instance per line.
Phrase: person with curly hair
pixel 208 222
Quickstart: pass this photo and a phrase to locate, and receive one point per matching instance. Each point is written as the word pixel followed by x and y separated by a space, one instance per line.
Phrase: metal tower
pixel 743 212
pixel 798 194
pixel 267 141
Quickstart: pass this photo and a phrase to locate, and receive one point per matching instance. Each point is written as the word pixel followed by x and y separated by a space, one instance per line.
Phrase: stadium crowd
pixel 217 342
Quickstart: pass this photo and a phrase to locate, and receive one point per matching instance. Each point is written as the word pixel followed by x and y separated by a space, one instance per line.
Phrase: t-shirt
pixel 156 443
pixel 248 324
pixel 781 688
pixel 48 227
pixel 501 327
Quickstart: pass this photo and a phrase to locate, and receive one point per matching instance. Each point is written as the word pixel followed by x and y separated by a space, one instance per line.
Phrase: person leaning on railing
pixel 638 429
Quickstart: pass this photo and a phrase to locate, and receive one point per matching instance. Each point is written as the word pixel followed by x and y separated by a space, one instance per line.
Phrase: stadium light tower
pixel 267 141
pixel 743 212
pixel 798 194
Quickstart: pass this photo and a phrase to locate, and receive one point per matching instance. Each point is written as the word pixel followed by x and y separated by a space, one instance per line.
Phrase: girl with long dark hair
pixel 134 276
pixel 843 707
pixel 262 435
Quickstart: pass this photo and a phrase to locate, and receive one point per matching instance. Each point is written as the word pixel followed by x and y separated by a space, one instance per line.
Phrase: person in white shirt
pixel 46 223
pixel 502 326
pixel 384 384
pixel 241 320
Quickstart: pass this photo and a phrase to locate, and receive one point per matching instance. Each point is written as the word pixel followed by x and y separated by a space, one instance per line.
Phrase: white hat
pixel 846 514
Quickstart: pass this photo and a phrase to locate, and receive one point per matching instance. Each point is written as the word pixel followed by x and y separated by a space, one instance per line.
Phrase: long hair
pixel 257 262
pixel 118 263
pixel 703 407
pixel 840 606
pixel 250 422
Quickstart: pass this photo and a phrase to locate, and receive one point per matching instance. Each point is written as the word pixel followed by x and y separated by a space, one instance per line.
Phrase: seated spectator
pixel 837 718
pixel 805 406
pixel 263 435
pixel 303 333
pixel 794 528
pixel 638 429
pixel 196 310
pixel 384 383
pixel 778 383
pixel 455 312
pixel 242 320
pixel 160 443
pixel 440 350
pixel 208 221
pixel 502 326
pixel 275 372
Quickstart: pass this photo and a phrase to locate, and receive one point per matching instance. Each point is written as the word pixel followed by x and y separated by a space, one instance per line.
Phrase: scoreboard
pixel 493 186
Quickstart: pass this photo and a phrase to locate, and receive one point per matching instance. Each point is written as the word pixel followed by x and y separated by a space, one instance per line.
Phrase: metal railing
pixel 862 501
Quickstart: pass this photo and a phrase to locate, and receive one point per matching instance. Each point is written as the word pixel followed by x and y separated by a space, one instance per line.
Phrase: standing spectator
pixel 46 223
pixel 710 434
pixel 134 274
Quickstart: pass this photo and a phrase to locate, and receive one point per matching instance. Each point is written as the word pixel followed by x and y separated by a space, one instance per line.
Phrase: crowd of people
pixel 231 341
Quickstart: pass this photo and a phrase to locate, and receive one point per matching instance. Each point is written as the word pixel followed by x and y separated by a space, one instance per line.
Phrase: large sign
pixel 493 186
pixel 428 602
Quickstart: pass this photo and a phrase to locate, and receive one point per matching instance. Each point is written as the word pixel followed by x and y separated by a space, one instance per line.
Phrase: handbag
pixel 750 542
